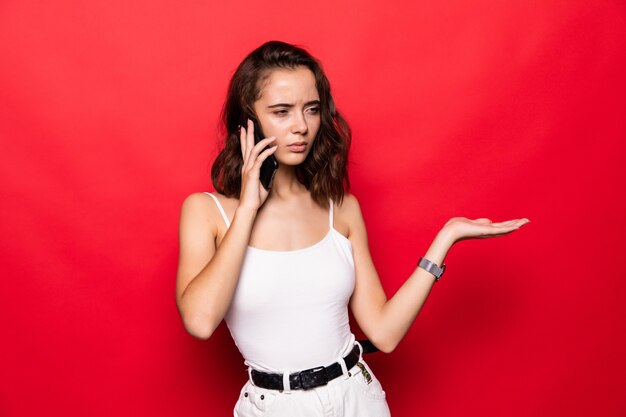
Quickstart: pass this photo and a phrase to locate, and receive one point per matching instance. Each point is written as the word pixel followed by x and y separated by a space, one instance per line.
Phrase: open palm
pixel 463 228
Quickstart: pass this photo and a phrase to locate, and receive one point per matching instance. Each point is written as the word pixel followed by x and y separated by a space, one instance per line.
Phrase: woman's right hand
pixel 253 194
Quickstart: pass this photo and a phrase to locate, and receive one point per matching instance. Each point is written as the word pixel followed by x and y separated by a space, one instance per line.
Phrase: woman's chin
pixel 292 160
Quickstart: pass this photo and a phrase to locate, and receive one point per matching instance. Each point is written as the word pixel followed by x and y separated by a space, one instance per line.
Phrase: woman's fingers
pixel 516 222
pixel 249 149
pixel 482 228
pixel 249 137
pixel 264 155
pixel 243 143
pixel 257 149
pixel 252 193
pixel 502 224
pixel 246 138
pixel 503 228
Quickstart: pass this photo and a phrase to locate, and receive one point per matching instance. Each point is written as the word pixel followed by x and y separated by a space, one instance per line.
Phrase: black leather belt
pixel 308 379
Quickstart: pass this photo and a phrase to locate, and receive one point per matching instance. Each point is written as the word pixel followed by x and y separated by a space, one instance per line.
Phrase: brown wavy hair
pixel 324 172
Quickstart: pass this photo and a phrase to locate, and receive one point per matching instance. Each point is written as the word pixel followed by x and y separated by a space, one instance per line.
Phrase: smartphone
pixel 270 165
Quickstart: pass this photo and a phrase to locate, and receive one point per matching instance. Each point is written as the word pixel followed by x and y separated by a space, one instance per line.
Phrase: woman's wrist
pixel 440 246
pixel 446 237
pixel 243 212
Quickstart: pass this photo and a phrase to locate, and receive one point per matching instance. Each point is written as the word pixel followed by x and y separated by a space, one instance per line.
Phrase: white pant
pixel 349 396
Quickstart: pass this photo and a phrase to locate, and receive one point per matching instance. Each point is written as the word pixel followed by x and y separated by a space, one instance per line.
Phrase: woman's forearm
pixel 399 312
pixel 206 299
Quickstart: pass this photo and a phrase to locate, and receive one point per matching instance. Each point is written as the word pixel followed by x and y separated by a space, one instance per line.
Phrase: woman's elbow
pixel 199 333
pixel 198 327
pixel 384 345
pixel 387 347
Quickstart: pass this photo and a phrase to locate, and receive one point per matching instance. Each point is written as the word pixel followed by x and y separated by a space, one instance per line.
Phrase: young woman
pixel 281 265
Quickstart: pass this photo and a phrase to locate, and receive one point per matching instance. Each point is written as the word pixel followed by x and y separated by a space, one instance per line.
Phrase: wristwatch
pixel 431 267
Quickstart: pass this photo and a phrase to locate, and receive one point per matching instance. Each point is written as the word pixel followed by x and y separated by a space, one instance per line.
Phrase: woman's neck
pixel 286 185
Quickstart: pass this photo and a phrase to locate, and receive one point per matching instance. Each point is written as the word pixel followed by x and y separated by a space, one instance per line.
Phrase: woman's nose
pixel 299 124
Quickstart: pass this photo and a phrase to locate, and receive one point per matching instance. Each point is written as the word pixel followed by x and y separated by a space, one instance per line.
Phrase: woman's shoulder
pixel 200 207
pixel 197 200
pixel 202 198
pixel 348 213
pixel 349 205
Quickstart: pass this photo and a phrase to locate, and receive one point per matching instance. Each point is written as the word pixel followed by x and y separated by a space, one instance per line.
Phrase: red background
pixel 108 118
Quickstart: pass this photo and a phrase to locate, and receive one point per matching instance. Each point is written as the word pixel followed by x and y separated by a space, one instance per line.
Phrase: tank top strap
pixel 330 213
pixel 221 209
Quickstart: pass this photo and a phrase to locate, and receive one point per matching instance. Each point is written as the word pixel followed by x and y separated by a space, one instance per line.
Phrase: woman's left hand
pixel 461 228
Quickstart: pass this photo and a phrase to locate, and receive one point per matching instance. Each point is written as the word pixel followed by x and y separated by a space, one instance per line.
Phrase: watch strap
pixel 432 267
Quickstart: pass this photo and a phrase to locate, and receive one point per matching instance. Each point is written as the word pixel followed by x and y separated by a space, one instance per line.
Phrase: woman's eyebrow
pixel 308 103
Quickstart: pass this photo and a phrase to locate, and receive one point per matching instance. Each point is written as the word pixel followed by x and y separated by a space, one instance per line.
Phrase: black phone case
pixel 270 165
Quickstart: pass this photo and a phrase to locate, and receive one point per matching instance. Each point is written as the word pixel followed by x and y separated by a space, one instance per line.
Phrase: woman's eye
pixel 281 112
pixel 314 109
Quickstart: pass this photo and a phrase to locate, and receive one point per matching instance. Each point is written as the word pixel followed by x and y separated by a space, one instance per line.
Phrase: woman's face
pixel 289 108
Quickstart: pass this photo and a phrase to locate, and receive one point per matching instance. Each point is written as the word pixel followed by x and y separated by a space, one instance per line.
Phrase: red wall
pixel 108 115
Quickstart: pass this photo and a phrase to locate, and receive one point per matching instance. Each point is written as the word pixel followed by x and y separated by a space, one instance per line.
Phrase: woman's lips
pixel 297 148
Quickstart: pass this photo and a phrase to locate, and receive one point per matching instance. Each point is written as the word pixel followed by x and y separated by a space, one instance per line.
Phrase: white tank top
pixel 290 308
